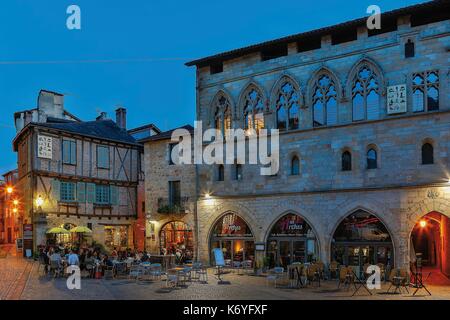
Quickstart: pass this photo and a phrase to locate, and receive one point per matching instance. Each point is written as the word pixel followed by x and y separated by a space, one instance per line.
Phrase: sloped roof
pixel 167 134
pixel 106 130
pixel 441 6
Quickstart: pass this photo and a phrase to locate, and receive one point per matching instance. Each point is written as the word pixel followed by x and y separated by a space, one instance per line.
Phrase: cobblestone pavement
pixel 241 287
pixel 14 273
pixel 20 279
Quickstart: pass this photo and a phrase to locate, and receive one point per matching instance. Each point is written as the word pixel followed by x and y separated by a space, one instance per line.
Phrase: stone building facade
pixel 74 173
pixel 364 121
pixel 170 190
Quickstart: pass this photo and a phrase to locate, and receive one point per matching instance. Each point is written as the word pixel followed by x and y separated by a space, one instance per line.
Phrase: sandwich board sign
pixel 218 256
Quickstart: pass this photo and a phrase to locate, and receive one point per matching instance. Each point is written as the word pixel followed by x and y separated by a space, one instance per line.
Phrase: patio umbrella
pixel 57 230
pixel 81 230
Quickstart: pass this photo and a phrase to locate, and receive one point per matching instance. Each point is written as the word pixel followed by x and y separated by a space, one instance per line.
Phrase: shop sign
pixel 45 147
pixel 396 99
pixel 260 247
pixel 27 231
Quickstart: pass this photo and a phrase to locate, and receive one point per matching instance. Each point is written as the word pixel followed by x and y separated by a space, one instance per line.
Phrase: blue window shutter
pixel 56 189
pixel 73 152
pixel 81 192
pixel 66 151
pixel 90 192
pixel 114 195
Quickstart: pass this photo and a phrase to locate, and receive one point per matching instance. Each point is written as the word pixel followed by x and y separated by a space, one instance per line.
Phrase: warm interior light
pixel 9 190
pixel 423 223
pixel 207 196
pixel 39 201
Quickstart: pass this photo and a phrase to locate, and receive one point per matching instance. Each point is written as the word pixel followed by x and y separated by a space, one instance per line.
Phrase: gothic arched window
pixel 254 110
pixel 324 102
pixel 287 105
pixel 222 115
pixel 365 94
pixel 425 91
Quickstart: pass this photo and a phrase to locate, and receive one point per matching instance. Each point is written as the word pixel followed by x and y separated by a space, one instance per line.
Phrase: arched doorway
pixel 177 238
pixel 362 238
pixel 291 240
pixel 233 235
pixel 430 243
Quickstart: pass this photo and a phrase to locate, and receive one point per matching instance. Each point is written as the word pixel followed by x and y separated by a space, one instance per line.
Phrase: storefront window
pixel 362 239
pixel 177 238
pixel 116 237
pixel 291 240
pixel 234 237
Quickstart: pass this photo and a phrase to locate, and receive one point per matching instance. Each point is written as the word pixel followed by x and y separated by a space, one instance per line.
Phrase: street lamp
pixel 16 202
pixel 9 190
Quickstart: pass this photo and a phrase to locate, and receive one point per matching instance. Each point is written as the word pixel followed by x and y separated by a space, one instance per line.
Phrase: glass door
pixel 285 253
pixel 299 250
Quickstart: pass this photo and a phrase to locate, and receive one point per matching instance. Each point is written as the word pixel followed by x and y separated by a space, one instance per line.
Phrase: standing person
pixel 72 259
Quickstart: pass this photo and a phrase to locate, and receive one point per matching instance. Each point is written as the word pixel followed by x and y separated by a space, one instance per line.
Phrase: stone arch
pixel 224 208
pixel 373 207
pixel 372 65
pixel 323 70
pixel 291 211
pixel 433 203
pixel 251 84
pixel 222 92
pixel 285 77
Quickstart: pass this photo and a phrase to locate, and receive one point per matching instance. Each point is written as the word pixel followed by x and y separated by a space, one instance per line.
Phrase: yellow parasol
pixel 81 230
pixel 57 230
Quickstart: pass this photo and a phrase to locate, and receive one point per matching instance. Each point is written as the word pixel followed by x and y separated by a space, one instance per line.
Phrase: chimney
pixel 102 116
pixel 121 118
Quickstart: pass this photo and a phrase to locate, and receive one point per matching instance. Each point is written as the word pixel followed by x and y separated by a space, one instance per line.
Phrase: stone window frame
pixel 222 112
pixel 424 88
pixel 419 146
pixel 341 160
pixel 274 98
pixel 378 154
pixel 324 100
pixel 243 99
pixel 380 90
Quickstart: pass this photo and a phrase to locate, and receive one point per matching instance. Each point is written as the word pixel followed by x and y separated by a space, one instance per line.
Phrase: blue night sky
pixel 142 46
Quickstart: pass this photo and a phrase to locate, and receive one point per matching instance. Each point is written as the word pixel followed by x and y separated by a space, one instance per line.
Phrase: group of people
pixel 87 259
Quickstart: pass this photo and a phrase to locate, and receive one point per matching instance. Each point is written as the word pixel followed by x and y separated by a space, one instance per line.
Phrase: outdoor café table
pixel 178 271
pixel 397 282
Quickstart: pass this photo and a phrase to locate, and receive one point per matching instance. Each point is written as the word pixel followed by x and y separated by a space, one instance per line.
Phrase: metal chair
pixel 274 275
pixel 56 268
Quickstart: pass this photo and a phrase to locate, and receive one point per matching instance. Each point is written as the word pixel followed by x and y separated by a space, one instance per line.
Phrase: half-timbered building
pixel 74 173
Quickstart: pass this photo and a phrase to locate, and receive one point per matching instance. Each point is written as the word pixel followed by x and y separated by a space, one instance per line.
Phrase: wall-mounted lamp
pixel 422 223
pixel 15 210
pixel 9 190
pixel 39 201
pixel 207 195
pixel 16 202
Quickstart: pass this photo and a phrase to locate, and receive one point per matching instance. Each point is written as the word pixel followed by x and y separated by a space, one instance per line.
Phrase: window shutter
pixel 56 190
pixel 114 198
pixel 73 152
pixel 81 192
pixel 66 151
pixel 90 191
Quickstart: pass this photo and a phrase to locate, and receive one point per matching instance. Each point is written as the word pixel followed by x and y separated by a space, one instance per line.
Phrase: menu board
pixel 396 99
pixel 45 147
